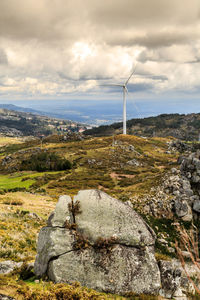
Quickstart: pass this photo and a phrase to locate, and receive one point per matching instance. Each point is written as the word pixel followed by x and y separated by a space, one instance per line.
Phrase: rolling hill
pixel 181 126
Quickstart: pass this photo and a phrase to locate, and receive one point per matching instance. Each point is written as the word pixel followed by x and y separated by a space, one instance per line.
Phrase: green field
pixel 11 182
pixel 16 180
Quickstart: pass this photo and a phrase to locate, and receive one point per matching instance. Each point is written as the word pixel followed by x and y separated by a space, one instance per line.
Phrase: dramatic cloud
pixel 63 47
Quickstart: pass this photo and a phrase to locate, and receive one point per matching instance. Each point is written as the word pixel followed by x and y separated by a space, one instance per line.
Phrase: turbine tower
pixel 124 90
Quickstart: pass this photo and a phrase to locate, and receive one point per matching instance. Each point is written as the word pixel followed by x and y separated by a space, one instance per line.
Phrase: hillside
pixel 18 124
pixel 184 127
pixel 128 168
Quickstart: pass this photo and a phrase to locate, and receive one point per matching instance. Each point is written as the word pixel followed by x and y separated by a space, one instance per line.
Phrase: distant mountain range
pixel 181 126
pixel 15 122
pixel 22 109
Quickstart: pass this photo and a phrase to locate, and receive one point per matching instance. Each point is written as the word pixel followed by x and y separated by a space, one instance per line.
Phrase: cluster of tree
pixel 45 161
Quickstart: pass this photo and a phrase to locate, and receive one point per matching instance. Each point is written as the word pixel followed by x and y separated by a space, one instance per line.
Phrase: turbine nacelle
pixel 125 88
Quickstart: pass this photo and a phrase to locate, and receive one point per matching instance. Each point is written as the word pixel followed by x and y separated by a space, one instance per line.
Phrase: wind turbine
pixel 125 90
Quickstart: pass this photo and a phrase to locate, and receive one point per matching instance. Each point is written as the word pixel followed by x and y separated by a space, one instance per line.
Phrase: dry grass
pixel 189 241
pixel 10 140
pixel 42 205
pixel 10 201
pixel 18 229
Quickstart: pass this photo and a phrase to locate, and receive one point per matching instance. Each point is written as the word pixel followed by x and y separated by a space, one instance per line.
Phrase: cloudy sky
pixel 68 49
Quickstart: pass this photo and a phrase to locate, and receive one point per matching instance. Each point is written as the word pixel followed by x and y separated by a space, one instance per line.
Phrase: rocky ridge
pixel 179 192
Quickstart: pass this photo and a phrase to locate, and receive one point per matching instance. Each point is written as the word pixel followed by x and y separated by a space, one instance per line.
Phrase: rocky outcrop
pixel 180 188
pixel 171 280
pixel 176 195
pixel 175 284
pixel 183 147
pixel 100 242
pixel 190 168
pixel 179 146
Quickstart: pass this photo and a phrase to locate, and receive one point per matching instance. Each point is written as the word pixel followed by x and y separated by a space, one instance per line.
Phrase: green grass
pixel 18 180
pixel 10 182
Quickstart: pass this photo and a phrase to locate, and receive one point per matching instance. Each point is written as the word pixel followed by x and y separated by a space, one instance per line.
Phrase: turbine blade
pixel 126 89
pixel 130 76
pixel 111 85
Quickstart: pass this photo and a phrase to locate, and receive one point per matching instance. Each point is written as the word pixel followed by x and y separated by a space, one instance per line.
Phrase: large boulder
pixel 100 242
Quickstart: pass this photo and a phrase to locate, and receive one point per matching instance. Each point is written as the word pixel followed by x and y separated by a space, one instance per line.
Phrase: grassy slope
pixel 98 163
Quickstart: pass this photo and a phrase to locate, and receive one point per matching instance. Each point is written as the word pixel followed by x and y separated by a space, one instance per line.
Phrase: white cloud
pixel 59 47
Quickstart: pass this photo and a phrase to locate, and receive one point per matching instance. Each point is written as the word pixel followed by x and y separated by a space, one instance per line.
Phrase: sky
pixel 64 49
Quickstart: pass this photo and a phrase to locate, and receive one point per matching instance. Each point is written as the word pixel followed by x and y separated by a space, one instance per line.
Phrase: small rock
pixel 162 241
pixel 174 171
pixel 171 250
pixel 36 281
pixel 33 215
pixel 131 148
pixel 5 297
pixel 196 206
pixel 133 162
pixel 8 266
pixel 186 254
pixel 182 209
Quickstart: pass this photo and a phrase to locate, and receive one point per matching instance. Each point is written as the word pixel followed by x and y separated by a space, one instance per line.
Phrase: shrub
pixel 25 271
pixel 45 161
